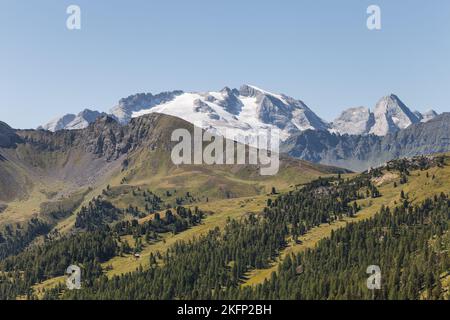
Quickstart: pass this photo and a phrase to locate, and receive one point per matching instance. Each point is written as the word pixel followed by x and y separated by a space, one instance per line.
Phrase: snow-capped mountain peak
pixel 73 122
pixel 134 103
pixel 58 123
pixel 247 90
pixel 84 118
pixel 235 112
pixel 354 121
pixel 391 115
pixel 428 115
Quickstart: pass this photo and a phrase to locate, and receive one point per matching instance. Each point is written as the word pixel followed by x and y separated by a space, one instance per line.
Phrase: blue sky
pixel 319 51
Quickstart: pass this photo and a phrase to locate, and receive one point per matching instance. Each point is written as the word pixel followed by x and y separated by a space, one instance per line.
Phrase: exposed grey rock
pixel 250 108
pixel 8 137
pixel 234 113
pixel 231 102
pixel 418 115
pixel 391 115
pixel 83 119
pixel 59 123
pixel 354 121
pixel 73 122
pixel 249 91
pixel 200 106
pixel 359 152
pixel 283 111
pixel 134 103
pixel 428 115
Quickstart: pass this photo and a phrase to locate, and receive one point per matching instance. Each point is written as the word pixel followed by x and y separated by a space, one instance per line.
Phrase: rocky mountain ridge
pixel 235 112
pixel 390 115
pixel 359 152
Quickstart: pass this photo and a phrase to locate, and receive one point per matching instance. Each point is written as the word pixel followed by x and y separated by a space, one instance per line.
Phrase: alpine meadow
pixel 305 160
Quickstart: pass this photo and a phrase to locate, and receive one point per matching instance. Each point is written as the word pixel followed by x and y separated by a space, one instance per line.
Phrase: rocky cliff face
pixel 390 115
pixel 106 137
pixel 60 123
pixel 8 137
pixel 230 112
pixel 67 161
pixel 72 121
pixel 126 106
pixel 363 151
pixel 428 115
pixel 74 159
pixel 282 111
pixel 354 121
pixel 234 113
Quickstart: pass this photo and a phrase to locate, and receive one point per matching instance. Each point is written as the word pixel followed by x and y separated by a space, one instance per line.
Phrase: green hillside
pixel 46 178
pixel 109 199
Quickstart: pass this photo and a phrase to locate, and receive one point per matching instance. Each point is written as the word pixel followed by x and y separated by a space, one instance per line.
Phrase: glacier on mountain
pixel 249 109
pixel 234 113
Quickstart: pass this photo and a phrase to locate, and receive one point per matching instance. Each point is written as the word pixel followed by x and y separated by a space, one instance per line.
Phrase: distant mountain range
pixel 390 115
pixel 357 139
pixel 72 121
pixel 236 111
pixel 359 152
pixel 229 112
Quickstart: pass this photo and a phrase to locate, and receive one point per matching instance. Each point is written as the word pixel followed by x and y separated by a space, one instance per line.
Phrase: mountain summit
pixel 427 115
pixel 73 122
pixel 354 121
pixel 123 111
pixel 390 115
pixel 233 112
pixel 238 112
pixel 229 112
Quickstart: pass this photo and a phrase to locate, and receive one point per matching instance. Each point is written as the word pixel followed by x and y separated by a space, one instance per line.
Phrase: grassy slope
pixel 43 176
pixel 149 170
pixel 248 189
pixel 37 172
pixel 418 188
pixel 222 210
